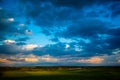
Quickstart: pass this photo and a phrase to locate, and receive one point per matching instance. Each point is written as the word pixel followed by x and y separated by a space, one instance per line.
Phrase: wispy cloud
pixel 30 46
pixel 9 41
pixel 10 19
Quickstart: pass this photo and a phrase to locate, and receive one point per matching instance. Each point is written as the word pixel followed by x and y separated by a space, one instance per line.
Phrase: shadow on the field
pixel 61 77
pixel 1 74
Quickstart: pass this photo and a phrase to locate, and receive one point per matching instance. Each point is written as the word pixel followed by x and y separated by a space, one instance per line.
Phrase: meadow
pixel 60 73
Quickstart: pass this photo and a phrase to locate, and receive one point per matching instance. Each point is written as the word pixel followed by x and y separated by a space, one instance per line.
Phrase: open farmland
pixel 61 73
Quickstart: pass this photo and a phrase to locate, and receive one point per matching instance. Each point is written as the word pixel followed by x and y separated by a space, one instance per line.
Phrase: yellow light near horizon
pixel 92 60
pixel 31 60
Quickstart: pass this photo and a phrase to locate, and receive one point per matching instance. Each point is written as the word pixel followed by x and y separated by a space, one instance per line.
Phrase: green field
pixel 63 74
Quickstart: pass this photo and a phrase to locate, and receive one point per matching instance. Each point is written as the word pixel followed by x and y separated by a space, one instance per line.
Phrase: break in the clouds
pixel 59 32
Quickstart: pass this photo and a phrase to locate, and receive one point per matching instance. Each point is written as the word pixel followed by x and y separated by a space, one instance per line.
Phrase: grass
pixel 64 74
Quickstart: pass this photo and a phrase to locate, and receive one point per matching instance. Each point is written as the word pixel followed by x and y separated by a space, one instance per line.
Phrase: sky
pixel 59 33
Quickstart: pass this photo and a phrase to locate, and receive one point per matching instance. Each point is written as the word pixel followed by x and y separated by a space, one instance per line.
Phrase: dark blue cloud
pixel 114 32
pixel 75 20
pixel 20 43
pixel 80 3
pixel 55 50
pixel 72 3
pixel 23 39
pixel 9 25
pixel 10 49
pixel 114 42
pixel 86 28
pixel 115 8
pixel 55 39
pixel 49 16
pixel 6 25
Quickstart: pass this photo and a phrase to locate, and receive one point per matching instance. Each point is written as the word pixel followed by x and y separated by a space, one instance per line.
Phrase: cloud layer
pixel 54 31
